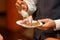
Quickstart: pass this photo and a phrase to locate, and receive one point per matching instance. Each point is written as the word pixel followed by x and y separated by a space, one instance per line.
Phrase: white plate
pixel 23 25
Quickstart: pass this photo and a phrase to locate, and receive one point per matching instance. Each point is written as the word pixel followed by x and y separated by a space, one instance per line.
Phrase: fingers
pixel 19 1
pixel 43 28
pixel 18 7
pixel 43 20
pixel 46 26
pixel 20 4
pixel 48 23
pixel 30 19
pixel 27 20
pixel 24 7
pixel 23 21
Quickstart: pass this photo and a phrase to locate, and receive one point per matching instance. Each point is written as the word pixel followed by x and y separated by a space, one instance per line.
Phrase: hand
pixel 48 23
pixel 20 4
pixel 27 20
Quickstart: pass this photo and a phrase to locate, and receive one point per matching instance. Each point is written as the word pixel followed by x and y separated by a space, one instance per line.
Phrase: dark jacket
pixel 46 9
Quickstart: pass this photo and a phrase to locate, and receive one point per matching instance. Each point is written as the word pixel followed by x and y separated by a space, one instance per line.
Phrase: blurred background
pixel 8 27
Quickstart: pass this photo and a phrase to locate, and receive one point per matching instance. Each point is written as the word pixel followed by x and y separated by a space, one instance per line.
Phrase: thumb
pixel 43 20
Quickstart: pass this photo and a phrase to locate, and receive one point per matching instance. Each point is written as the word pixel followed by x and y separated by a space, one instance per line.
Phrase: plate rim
pixel 18 23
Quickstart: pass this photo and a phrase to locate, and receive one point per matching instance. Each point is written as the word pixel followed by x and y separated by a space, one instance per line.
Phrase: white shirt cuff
pixel 57 24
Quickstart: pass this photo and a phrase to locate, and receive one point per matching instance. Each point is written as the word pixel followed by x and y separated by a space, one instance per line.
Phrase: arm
pixel 29 8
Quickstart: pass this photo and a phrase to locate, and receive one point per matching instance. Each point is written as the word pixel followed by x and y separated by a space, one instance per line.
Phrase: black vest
pixel 47 9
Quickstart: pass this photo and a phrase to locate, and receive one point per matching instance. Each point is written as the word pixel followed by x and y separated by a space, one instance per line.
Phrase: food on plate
pixel 34 23
pixel 29 25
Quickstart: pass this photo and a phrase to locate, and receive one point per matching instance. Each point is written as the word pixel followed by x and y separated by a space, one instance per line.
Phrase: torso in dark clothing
pixel 46 9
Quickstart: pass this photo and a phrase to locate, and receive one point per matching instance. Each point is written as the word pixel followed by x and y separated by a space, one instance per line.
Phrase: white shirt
pixel 57 22
pixel 31 6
